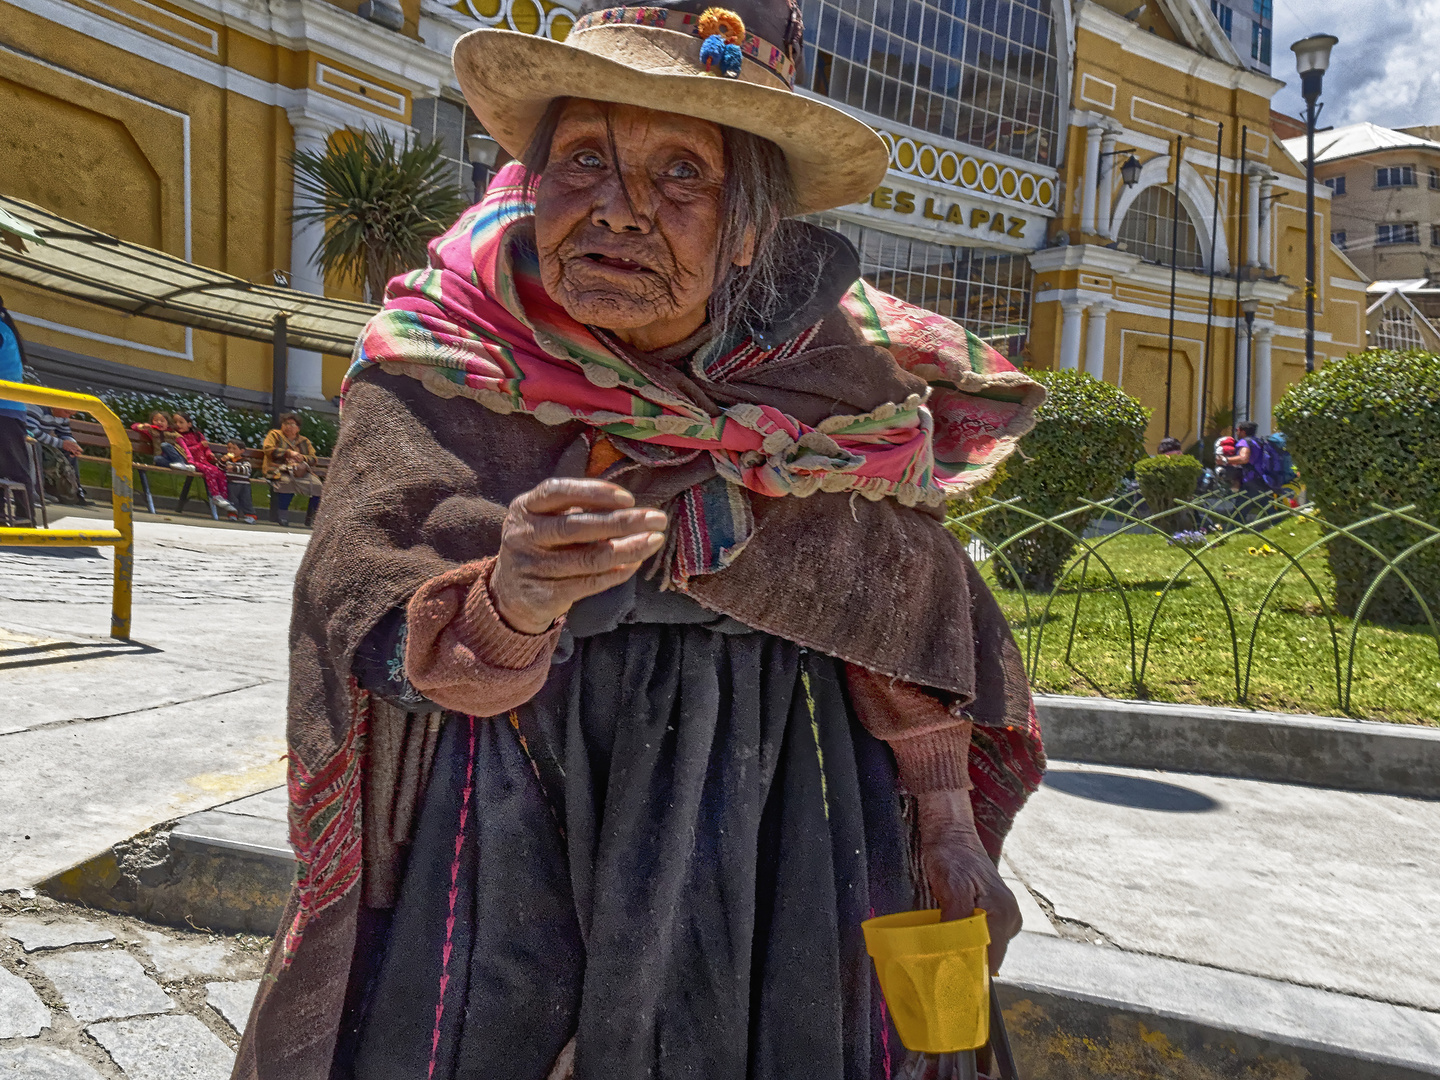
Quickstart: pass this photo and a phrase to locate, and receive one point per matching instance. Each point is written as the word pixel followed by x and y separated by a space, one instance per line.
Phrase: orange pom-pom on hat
pixel 724 22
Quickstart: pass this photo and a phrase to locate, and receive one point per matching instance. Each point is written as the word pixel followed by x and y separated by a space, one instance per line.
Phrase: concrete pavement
pixel 1328 889
pixel 100 739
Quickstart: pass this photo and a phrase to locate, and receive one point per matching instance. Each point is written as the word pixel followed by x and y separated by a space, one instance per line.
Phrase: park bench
pixel 90 435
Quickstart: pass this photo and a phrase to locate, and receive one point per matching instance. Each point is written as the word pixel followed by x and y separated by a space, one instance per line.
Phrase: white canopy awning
pixel 85 264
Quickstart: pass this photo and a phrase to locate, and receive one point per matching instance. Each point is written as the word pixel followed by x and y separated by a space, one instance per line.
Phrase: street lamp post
pixel 1250 307
pixel 484 152
pixel 1312 57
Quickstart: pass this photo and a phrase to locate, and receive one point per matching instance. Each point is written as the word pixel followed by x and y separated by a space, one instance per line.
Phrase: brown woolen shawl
pixel 420 485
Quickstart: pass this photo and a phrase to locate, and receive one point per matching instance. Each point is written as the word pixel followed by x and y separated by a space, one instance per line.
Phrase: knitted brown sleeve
pixel 461 655
pixel 931 743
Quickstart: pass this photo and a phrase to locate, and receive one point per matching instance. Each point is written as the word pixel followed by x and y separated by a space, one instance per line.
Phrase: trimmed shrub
pixel 1086 436
pixel 1163 479
pixel 220 422
pixel 1363 431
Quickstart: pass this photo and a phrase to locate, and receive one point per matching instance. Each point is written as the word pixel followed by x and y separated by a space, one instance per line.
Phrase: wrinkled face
pixel 636 257
pixel 289 428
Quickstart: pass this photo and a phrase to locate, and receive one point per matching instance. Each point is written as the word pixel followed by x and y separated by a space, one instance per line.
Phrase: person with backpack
pixel 1264 467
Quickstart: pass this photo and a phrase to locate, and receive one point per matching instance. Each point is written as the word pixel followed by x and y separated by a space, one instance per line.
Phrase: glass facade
pixel 986 291
pixel 982 72
pixel 1146 231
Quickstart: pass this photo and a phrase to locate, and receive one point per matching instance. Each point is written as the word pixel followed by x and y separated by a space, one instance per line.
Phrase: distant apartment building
pixel 1249 25
pixel 1385 197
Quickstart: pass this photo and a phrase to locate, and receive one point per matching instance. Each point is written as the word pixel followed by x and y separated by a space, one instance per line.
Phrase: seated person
pixel 289 467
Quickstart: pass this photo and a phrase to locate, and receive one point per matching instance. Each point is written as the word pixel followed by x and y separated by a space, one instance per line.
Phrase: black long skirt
pixel 666 856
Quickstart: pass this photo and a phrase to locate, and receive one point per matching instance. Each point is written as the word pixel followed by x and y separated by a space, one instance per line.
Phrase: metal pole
pixel 1239 232
pixel 1210 301
pixel 1310 115
pixel 1174 258
pixel 280 369
pixel 1249 359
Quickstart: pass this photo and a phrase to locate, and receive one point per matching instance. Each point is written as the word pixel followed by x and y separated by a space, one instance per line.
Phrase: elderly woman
pixel 633 667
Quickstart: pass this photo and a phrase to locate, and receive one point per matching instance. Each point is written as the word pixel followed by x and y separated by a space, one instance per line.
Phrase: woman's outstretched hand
pixel 961 875
pixel 564 540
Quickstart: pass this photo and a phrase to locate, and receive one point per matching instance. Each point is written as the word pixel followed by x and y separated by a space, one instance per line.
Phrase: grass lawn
pixel 1191 658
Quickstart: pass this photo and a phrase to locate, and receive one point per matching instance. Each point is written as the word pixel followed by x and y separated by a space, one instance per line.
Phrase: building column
pixel 1242 375
pixel 305 376
pixel 1260 400
pixel 1071 310
pixel 1095 340
pixel 1267 190
pixel 1092 179
pixel 1252 223
pixel 1104 192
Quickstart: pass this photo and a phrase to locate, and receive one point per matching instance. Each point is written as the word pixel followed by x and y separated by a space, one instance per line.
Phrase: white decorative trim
pixel 330 30
pixel 1107 102
pixel 213 48
pixel 209 72
pixel 331 80
pixel 183 117
pixel 90 335
pixel 1345 283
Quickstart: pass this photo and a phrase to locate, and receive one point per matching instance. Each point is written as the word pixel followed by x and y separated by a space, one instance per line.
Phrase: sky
pixel 1384 70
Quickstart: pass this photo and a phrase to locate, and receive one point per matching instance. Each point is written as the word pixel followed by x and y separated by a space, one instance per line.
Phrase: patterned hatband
pixel 770 57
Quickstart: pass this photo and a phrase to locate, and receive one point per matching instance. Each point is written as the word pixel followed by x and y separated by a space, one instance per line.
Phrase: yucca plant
pixel 381 201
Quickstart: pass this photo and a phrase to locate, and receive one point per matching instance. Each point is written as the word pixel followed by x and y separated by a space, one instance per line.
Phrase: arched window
pixel 983 72
pixel 1146 230
pixel 1398 331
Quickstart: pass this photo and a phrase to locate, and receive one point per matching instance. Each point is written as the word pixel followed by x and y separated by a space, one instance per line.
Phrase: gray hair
pixel 757 196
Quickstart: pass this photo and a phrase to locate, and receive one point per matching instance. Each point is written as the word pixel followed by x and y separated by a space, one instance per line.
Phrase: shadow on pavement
pixel 65 652
pixel 1132 791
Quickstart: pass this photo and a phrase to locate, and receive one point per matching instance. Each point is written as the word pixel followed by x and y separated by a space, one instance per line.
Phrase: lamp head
pixel 1130 171
pixel 483 150
pixel 1312 58
pixel 1250 306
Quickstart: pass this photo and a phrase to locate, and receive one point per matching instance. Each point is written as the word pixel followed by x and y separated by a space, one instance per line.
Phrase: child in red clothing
pixel 166 453
pixel 192 444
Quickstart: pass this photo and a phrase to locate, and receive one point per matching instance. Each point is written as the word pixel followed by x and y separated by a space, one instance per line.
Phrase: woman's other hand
pixel 564 540
pixel 961 875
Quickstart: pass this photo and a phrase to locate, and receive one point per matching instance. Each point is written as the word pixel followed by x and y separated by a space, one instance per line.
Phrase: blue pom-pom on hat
pixel 712 52
pixel 731 60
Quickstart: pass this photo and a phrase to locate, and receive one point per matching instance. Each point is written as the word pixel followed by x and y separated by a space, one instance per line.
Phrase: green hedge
pixel 1087 435
pixel 1366 430
pixel 220 422
pixel 1163 479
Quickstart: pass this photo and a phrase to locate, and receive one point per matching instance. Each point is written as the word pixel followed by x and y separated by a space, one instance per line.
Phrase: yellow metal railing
pixel 122 497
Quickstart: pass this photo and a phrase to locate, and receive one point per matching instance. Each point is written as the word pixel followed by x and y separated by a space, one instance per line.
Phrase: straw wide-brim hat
pixel 651 57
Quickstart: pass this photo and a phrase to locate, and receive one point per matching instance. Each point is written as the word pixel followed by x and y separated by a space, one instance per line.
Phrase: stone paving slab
pixel 22 1014
pixel 44 1063
pixel 232 1000
pixel 1329 889
pixel 165 1048
pixel 36 934
pixel 176 959
pixel 99 985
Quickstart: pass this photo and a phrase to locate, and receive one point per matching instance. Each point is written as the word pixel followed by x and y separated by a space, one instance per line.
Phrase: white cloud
pixel 1385 68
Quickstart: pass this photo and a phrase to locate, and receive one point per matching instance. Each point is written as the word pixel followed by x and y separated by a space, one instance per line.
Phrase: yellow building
pixel 170 122
pixel 1102 288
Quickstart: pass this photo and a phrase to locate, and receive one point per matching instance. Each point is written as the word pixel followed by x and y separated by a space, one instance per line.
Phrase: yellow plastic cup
pixel 935 976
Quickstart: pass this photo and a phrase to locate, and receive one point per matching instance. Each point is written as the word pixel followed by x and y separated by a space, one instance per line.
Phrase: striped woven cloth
pixel 477 322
